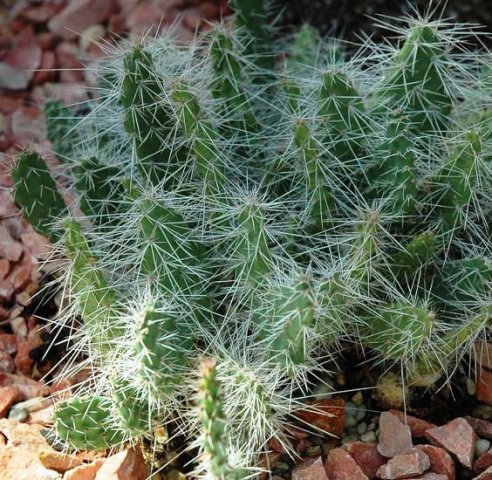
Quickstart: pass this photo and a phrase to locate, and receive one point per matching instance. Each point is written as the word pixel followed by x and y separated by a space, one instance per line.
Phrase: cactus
pixel 259 204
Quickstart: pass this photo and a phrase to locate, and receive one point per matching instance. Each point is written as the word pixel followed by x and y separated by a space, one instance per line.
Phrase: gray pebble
pixel 481 447
pixel 281 467
pixel 361 412
pixel 351 409
pixel 19 414
pixel 350 421
pixel 471 387
pixel 368 437
pixel 362 428
pixel 349 439
pixel 371 427
pixel 314 451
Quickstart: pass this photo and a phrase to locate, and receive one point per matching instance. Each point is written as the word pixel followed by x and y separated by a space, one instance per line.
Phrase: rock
pixel 486 475
pixel 326 415
pixel 484 386
pixel 481 446
pixel 126 465
pixel 341 466
pixel 46 72
pixel 41 417
pixel 28 388
pixel 19 458
pixel 77 16
pixel 406 465
pixel 483 462
pixel 457 437
pixel 85 472
pixel 8 343
pixel 440 460
pixel 394 437
pixel 68 62
pixel 10 249
pixel 483 428
pixel 481 353
pixel 21 61
pixel 312 469
pixel 8 396
pixel 67 93
pixel 61 462
pixel 6 363
pixel 23 359
pixel 366 456
pixel 417 425
pixel 430 476
pixel 28 125
pixel 19 327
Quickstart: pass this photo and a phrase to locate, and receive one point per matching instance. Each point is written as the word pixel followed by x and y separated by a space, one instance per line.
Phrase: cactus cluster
pixel 259 202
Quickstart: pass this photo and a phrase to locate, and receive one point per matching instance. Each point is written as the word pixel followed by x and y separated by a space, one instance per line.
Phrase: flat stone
pixel 430 476
pixel 366 456
pixel 406 465
pixel 485 475
pixel 326 415
pixel 440 460
pixel 61 462
pixel 312 469
pixel 394 437
pixel 483 428
pixel 457 437
pixel 484 386
pixel 483 462
pixel 417 425
pixel 77 16
pixel 85 472
pixel 341 466
pixel 126 465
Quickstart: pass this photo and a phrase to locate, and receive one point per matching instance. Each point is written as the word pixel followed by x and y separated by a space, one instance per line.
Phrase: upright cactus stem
pixel 264 201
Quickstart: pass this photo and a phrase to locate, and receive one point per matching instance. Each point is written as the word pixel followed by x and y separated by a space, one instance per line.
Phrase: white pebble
pixel 471 387
pixel 349 439
pixel 481 446
pixel 368 437
pixel 362 428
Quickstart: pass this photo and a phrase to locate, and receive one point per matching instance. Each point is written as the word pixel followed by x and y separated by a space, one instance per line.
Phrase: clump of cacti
pixel 259 205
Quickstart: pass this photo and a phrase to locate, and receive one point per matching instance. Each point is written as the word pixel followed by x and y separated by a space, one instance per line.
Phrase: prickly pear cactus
pixel 259 205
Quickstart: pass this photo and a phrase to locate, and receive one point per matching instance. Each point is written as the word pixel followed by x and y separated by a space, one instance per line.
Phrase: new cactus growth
pixel 259 204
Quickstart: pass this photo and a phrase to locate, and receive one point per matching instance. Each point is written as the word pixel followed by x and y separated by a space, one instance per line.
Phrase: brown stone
pixel 406 465
pixel 484 386
pixel 85 472
pixel 366 456
pixel 440 460
pixel 483 428
pixel 483 462
pixel 485 475
pixel 394 437
pixel 341 466
pixel 8 396
pixel 10 249
pixel 417 425
pixel 311 469
pixel 61 462
pixel 28 125
pixel 28 388
pixel 326 415
pixel 126 465
pixel 46 72
pixel 457 437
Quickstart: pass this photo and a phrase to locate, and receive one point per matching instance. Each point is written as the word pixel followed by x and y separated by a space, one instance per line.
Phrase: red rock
pixel 486 475
pixel 457 437
pixel 23 361
pixel 46 40
pixel 394 436
pixel 430 476
pixel 67 93
pixel 481 353
pixel 46 72
pixel 19 327
pixel 483 462
pixel 37 244
pixel 366 456
pixel 193 18
pixel 8 104
pixel 40 13
pixel 440 460
pixel 8 343
pixel 85 472
pixel 28 388
pixel 405 465
pixel 326 415
pixel 275 445
pixel 483 428
pixel 77 16
pixel 68 62
pixel 143 17
pixel 310 470
pixel 61 462
pixel 28 125
pixel 484 386
pixel 43 416
pixel 6 363
pixel 10 249
pixel 6 290
pixel 126 465
pixel 22 273
pixel 417 425
pixel 4 268
pixel 8 396
pixel 341 466
pixel 21 61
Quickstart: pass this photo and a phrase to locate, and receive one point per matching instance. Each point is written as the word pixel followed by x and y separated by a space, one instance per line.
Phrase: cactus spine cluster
pixel 259 205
